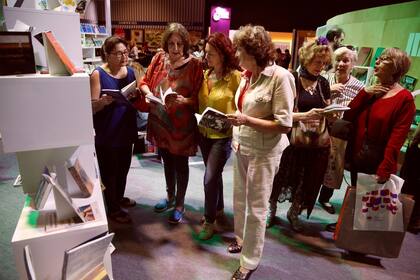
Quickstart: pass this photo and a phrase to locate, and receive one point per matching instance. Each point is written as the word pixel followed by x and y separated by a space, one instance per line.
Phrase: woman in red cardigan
pixel 381 113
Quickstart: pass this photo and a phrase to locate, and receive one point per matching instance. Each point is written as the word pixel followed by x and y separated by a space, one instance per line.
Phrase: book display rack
pixel 46 120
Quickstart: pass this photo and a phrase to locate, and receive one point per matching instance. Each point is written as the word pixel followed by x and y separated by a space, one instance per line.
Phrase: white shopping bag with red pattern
pixel 378 207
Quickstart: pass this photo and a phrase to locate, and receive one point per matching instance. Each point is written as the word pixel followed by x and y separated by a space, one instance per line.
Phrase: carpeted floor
pixel 150 248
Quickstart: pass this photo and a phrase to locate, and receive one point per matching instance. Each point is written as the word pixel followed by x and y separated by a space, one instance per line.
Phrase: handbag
pixel 310 133
pixel 371 154
pixel 379 243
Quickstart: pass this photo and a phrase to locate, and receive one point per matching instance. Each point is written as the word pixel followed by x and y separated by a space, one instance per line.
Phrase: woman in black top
pixel 303 169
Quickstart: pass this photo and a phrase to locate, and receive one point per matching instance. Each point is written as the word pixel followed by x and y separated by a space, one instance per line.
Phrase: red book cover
pixel 59 51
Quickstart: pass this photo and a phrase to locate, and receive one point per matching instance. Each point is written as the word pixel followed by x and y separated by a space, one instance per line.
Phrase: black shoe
pixel 327 207
pixel 238 275
pixel 234 247
pixel 331 227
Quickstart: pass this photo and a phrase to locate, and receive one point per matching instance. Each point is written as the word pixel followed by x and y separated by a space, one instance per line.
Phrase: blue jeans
pixel 215 153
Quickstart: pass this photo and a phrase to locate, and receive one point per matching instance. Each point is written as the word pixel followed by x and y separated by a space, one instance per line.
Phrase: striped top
pixel 351 89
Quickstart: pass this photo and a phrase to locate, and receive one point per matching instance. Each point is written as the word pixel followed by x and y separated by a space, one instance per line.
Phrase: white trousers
pixel 252 184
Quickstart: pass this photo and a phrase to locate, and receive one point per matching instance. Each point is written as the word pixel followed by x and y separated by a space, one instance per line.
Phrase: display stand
pixel 46 120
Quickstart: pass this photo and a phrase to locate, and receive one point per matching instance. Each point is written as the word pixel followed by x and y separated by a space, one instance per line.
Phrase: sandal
pixel 239 275
pixel 127 202
pixel 234 247
pixel 120 217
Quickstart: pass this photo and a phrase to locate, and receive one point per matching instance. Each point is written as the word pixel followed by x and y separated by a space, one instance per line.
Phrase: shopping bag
pixel 377 205
pixel 335 167
pixel 379 243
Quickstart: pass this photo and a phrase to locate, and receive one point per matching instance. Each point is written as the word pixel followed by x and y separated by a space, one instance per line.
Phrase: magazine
pixel 163 96
pixel 335 108
pixel 86 261
pixel 216 120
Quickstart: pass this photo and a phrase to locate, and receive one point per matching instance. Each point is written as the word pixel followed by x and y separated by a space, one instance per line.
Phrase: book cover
pixel 163 95
pixel 408 82
pixel 29 267
pixel 335 108
pixel 80 176
pixel 363 56
pixel 43 191
pixel 58 61
pixel 86 261
pixel 16 53
pixel 216 120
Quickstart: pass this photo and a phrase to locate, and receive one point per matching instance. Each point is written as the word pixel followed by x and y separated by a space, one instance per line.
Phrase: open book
pixel 125 91
pixel 335 108
pixel 86 261
pixel 163 96
pixel 216 120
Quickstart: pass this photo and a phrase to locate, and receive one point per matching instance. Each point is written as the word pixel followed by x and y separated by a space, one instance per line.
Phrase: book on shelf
pixel 162 96
pixel 80 177
pixel 44 190
pixel 363 56
pixel 16 53
pixel 102 29
pixel 65 208
pixel 86 261
pixel 29 267
pixel 214 119
pixel 58 61
pixel 335 108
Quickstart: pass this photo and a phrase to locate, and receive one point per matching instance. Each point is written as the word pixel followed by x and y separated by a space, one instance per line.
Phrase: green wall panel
pixel 386 26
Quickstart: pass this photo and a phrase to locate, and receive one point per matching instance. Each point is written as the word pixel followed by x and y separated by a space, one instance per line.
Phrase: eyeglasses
pixel 384 58
pixel 120 54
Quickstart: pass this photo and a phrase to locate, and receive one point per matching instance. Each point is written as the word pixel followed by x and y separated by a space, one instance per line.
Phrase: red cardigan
pixel 389 121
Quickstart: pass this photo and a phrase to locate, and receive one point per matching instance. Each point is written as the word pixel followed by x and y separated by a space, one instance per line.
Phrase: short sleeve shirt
pixel 270 97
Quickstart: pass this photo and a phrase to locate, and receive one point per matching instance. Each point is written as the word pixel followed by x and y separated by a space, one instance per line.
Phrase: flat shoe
pixel 127 202
pixel 238 275
pixel 234 247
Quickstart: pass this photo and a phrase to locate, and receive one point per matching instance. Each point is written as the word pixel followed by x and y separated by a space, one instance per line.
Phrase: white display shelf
pixel 64 25
pixel 45 112
pixel 93 60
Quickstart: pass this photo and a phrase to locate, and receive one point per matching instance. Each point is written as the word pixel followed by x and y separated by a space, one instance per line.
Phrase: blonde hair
pixel 338 53
pixel 400 61
pixel 310 50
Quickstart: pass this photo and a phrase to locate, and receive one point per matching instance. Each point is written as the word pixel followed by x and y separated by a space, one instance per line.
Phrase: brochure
pixel 216 120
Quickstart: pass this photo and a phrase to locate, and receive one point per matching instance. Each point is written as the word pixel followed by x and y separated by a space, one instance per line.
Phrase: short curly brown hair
pixel 176 28
pixel 256 41
pixel 109 45
pixel 311 49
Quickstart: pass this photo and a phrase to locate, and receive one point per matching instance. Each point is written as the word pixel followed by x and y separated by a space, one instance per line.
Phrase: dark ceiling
pixel 284 16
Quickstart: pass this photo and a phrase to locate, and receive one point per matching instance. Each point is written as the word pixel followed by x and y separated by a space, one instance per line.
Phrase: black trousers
pixel 176 175
pixel 114 164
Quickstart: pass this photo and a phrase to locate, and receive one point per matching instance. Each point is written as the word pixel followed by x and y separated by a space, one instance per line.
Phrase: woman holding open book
pixel 264 102
pixel 115 125
pixel 172 127
pixel 218 90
